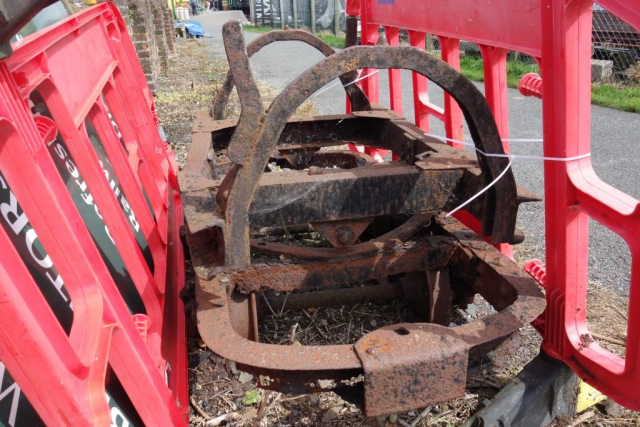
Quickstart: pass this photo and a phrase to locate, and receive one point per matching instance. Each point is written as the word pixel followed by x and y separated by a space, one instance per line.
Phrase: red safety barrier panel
pixel 92 328
pixel 558 35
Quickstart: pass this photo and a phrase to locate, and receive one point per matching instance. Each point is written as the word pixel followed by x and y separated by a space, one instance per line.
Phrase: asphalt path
pixel 614 143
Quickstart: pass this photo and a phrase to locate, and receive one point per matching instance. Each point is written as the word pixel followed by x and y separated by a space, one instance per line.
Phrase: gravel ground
pixel 218 388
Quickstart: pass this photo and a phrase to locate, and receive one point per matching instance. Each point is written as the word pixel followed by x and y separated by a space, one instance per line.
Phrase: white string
pixel 363 77
pixel 511 156
pixel 481 191
pixel 360 77
pixel 507 156
pixel 442 138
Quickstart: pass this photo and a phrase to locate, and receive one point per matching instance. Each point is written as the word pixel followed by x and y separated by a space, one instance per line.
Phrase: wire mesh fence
pixel 617 46
pixel 313 15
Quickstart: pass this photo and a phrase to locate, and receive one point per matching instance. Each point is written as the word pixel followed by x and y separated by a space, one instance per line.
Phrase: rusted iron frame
pixel 356 95
pixel 514 294
pixel 196 177
pixel 236 193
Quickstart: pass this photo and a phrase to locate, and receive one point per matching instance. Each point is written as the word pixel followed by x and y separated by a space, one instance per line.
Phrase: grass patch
pixel 625 98
pixel 472 68
pixel 330 39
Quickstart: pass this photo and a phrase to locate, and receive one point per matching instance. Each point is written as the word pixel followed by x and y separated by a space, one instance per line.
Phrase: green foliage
pixel 330 39
pixel 626 98
pixel 251 397
pixel 472 68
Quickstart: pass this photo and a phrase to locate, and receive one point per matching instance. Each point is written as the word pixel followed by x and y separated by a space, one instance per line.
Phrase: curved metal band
pixel 359 100
pixel 500 213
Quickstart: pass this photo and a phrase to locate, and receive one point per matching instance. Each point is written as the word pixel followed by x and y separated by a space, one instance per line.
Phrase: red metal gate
pixel 558 35
pixel 92 327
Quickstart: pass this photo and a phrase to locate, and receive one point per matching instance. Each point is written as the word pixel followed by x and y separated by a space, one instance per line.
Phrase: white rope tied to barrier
pixel 360 77
pixel 511 157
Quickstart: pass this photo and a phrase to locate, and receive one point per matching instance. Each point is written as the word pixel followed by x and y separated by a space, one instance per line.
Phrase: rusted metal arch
pixel 237 191
pixel 359 100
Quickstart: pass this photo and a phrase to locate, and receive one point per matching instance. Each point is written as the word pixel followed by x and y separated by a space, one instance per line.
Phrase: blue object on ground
pixel 194 28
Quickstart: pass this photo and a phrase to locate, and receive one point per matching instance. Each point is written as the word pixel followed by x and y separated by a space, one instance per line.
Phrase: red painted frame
pixel 557 33
pixel 73 64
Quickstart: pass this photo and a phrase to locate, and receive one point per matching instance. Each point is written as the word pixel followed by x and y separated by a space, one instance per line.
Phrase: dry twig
pixel 199 409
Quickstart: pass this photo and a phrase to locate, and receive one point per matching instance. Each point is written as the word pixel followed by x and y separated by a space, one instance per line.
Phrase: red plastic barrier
pixel 92 329
pixel 558 35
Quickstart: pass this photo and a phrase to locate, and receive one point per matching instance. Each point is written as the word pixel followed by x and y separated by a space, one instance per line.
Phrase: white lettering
pixel 11 208
pixel 117 417
pixel 31 238
pixel 59 285
pixel 60 151
pixel 13 388
pixel 73 170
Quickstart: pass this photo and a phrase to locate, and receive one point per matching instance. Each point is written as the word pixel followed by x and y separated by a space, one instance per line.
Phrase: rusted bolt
pixel 344 235
pixel 371 351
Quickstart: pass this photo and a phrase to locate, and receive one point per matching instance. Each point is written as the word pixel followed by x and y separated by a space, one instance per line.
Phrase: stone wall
pixel 152 33
pixel 159 31
pixel 141 14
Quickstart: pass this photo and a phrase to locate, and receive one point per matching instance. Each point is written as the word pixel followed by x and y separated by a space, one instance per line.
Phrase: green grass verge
pixel 472 68
pixel 625 98
pixel 330 39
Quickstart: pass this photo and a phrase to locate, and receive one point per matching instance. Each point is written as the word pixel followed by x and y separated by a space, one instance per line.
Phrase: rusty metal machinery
pixel 387 237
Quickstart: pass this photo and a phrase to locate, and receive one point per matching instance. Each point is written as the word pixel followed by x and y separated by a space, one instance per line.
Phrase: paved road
pixel 614 141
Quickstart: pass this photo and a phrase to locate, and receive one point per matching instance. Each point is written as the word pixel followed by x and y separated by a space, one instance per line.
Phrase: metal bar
pixel 294 4
pixel 313 16
pixel 299 198
pixel 336 17
pixel 330 298
pixel 282 14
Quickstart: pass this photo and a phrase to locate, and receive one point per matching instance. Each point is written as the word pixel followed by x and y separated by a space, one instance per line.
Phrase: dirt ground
pixel 223 395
